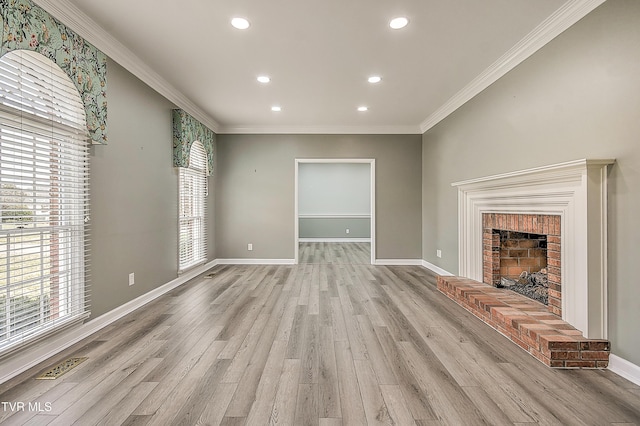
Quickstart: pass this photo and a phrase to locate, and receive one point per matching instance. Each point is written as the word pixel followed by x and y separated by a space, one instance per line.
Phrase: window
pixel 44 200
pixel 193 192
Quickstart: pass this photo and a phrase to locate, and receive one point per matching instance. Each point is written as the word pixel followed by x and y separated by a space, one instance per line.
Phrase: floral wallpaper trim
pixel 27 26
pixel 187 130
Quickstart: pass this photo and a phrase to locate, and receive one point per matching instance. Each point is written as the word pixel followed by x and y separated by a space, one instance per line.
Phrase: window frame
pixel 192 209
pixel 44 153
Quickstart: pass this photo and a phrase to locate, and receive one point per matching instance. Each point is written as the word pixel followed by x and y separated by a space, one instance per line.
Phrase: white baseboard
pixel 624 368
pixel 435 268
pixel 334 240
pixel 256 261
pixel 398 262
pixel 34 355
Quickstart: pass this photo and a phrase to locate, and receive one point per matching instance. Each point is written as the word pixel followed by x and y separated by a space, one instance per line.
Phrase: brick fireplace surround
pixel 553 201
pixel 548 225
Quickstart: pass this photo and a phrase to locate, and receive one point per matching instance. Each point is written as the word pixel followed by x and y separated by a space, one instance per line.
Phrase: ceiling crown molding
pixel 87 28
pixel 570 13
pixel 566 16
pixel 322 130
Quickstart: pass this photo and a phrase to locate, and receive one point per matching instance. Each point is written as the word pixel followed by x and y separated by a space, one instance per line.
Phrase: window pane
pixel 43 199
pixel 192 206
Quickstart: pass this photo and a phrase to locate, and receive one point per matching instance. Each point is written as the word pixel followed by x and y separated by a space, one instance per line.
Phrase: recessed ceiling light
pixel 399 22
pixel 240 23
pixel 374 79
pixel 362 108
pixel 264 79
pixel 276 108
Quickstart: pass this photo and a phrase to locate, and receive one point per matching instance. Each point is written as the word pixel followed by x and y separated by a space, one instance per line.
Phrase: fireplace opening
pixel 522 252
pixel 523 264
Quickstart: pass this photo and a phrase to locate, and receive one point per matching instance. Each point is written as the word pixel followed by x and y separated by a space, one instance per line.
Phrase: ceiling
pixel 319 56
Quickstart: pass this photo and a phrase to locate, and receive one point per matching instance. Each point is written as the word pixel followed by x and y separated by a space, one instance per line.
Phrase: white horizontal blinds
pixel 44 199
pixel 193 192
pixel 34 84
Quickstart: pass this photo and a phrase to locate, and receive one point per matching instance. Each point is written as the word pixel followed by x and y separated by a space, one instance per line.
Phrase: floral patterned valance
pixel 27 26
pixel 187 130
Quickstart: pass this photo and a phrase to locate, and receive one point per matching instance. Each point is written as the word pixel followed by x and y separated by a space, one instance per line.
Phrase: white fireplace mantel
pixel 577 192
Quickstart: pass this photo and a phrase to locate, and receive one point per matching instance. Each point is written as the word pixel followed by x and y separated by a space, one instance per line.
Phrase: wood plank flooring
pixel 330 342
pixel 341 253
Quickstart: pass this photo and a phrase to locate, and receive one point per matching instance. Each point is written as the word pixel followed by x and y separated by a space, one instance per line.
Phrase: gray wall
pixel 133 196
pixel 334 189
pixel 334 227
pixel 578 97
pixel 255 191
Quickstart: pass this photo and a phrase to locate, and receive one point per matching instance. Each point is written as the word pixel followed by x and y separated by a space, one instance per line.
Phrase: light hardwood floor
pixel 314 344
pixel 328 253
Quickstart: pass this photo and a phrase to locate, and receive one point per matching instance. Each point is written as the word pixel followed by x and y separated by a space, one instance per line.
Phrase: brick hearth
pixel 528 324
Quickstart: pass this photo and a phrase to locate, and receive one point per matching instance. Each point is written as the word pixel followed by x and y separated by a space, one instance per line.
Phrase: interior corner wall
pixel 578 97
pixel 255 191
pixel 134 196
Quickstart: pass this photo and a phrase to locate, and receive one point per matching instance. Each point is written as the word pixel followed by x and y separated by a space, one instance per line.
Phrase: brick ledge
pixel 528 324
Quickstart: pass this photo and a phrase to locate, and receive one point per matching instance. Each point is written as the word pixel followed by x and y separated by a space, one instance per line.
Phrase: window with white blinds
pixel 193 192
pixel 44 200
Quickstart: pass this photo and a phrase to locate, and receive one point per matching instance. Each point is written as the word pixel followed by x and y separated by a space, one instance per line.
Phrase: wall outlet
pixel 132 278
pixel 249 246
pixel 347 230
pixel 439 253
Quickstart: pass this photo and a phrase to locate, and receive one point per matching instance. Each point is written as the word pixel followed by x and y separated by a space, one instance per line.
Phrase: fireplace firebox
pixel 518 245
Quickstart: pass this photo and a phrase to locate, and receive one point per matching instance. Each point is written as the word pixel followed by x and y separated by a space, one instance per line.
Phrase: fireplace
pixel 515 246
pixel 554 201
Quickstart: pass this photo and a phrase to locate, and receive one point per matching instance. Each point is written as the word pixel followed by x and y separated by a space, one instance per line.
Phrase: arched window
pixel 192 215
pixel 44 200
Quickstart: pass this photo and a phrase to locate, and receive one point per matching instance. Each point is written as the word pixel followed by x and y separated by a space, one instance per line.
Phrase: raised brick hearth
pixel 528 324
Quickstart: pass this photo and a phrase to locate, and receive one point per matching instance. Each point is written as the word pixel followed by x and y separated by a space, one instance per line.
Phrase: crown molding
pixel 566 16
pixel 322 130
pixel 87 28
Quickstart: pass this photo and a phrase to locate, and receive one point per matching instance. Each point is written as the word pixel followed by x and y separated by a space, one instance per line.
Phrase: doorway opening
pixel 333 221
